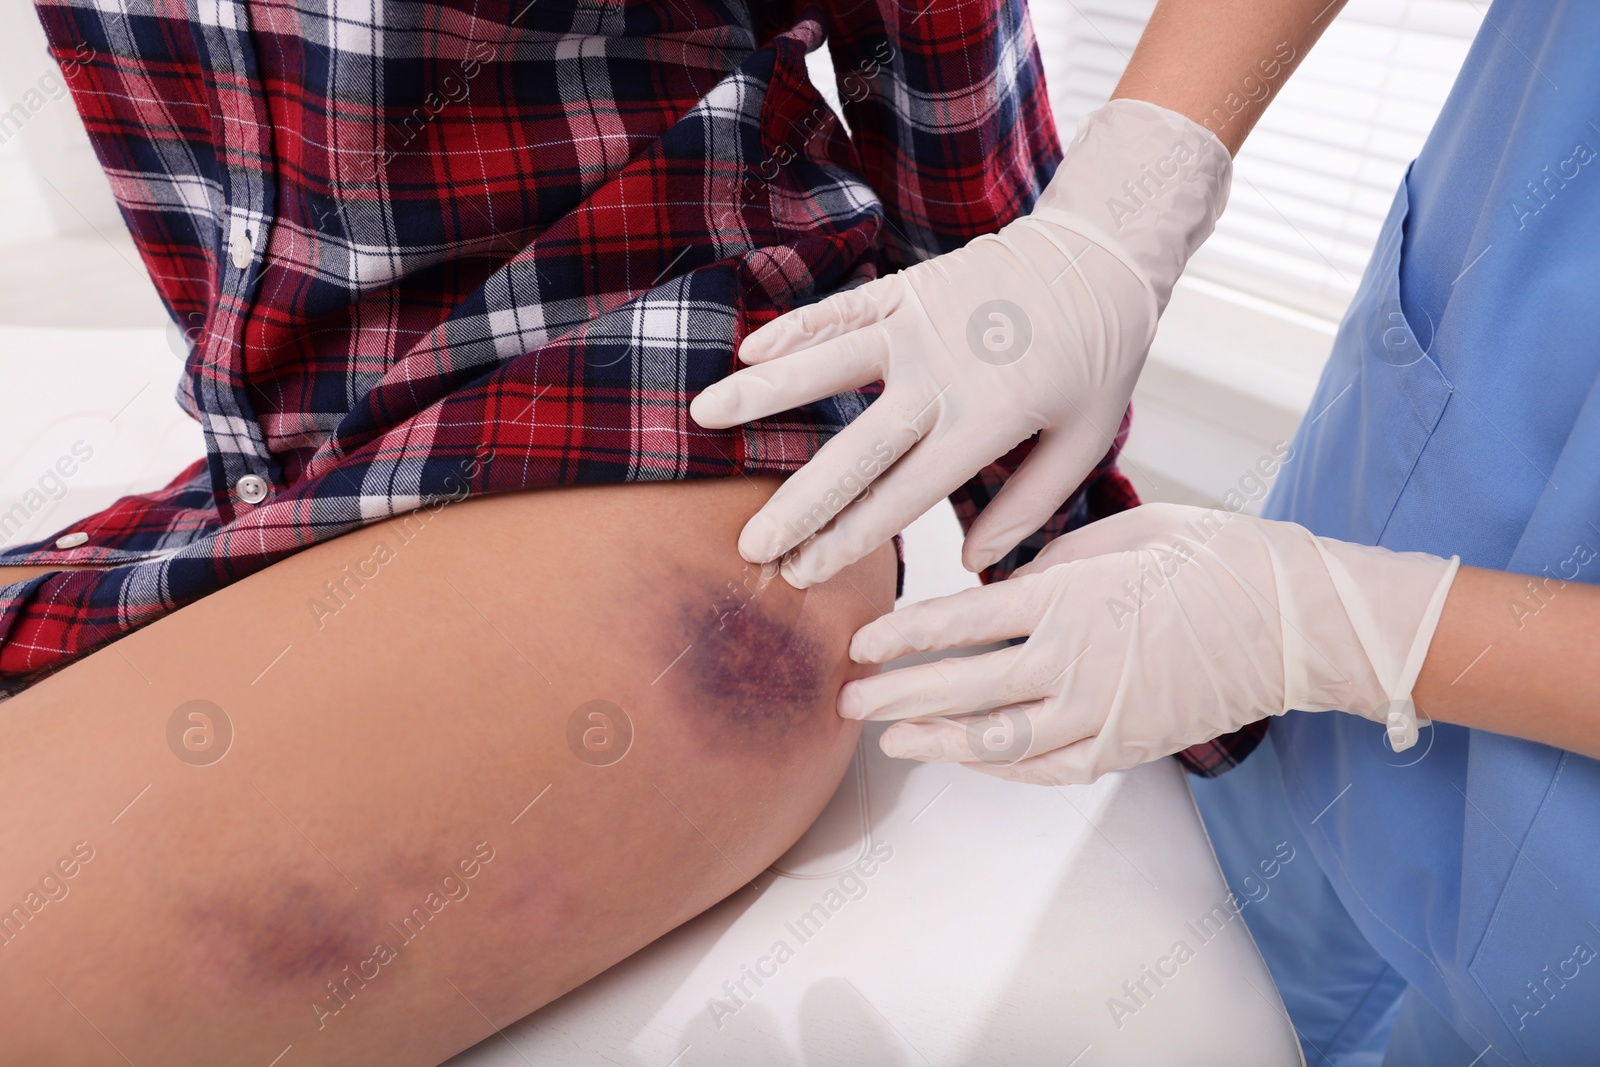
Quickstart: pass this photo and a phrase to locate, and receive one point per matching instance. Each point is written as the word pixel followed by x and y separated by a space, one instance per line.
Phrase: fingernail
pixel 850 706
pixel 713 404
pixel 980 557
pixel 756 541
pixel 866 647
pixel 751 348
pixel 796 572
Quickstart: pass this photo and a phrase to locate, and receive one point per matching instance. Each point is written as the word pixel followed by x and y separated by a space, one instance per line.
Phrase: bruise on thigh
pixel 285 938
pixel 759 670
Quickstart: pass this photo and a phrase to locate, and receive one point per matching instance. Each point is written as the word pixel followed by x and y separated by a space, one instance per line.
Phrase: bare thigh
pixel 420 829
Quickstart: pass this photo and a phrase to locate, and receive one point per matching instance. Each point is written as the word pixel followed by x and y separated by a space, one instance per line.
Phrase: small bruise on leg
pixel 280 940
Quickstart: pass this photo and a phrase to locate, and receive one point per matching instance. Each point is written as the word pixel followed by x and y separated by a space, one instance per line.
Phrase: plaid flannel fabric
pixel 427 250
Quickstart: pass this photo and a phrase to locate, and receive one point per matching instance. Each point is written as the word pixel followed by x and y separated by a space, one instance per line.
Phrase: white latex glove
pixel 1150 631
pixel 1041 327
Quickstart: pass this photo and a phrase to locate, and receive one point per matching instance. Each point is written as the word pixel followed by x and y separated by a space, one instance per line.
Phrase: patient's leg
pixel 400 775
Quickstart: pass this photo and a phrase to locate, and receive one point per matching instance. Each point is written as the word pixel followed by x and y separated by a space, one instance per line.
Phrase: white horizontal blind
pixel 1085 45
pixel 1315 179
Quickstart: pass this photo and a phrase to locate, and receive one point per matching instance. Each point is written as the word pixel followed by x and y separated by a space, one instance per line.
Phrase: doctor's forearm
pixel 1519 656
pixel 1219 62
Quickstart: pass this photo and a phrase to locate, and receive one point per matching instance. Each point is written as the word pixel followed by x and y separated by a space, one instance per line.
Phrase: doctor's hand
pixel 1040 328
pixel 1150 631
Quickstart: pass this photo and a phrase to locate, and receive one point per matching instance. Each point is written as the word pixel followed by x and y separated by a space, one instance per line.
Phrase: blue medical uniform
pixel 1459 413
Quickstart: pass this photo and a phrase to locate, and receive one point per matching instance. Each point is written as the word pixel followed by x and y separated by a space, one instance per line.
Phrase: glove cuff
pixel 1145 183
pixel 1403 719
pixel 1391 604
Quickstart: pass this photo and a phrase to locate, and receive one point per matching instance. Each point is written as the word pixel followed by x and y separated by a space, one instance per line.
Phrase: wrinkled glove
pixel 1043 326
pixel 1151 631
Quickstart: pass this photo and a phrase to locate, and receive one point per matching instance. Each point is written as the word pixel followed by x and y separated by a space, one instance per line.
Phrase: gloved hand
pixel 1150 631
pixel 1041 327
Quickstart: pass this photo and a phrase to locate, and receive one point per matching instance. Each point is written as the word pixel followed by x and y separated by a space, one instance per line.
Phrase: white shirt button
pixel 72 540
pixel 240 247
pixel 252 488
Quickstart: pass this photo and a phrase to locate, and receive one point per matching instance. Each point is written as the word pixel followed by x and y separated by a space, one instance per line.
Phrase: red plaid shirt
pixel 426 250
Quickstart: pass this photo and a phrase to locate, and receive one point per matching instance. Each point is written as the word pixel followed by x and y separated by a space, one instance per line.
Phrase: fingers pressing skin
pixel 950 686
pixel 915 482
pixel 1040 326
pixel 971 617
pixel 841 471
pixel 1147 632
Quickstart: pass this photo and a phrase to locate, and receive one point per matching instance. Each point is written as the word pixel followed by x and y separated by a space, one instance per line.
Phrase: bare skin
pixel 1221 62
pixel 400 775
pixel 1517 655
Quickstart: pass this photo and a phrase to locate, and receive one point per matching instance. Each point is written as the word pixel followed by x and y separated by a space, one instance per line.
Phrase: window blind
pixel 1315 178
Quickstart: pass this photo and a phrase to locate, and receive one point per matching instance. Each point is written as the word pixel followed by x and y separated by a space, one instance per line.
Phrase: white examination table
pixel 998 930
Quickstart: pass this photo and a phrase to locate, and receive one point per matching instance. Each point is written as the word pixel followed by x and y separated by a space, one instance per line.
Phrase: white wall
pixel 65 255
pixel 50 185
pixel 84 356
